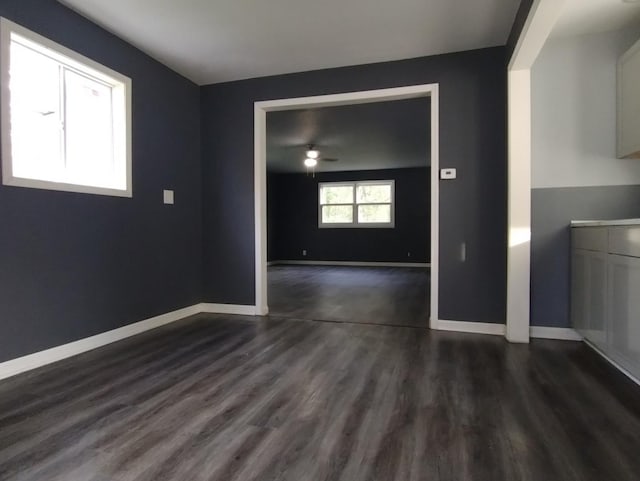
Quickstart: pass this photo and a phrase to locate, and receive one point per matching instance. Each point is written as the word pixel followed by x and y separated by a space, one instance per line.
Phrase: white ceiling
pixel 581 17
pixel 212 41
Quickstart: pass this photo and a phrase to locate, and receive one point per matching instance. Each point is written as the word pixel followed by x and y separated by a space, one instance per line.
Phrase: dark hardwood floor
pixel 370 295
pixel 231 398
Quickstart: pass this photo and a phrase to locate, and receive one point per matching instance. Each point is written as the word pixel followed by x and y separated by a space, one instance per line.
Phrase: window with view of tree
pixel 356 204
pixel 66 119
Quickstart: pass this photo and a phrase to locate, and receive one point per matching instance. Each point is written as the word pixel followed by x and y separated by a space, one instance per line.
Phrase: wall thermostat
pixel 447 173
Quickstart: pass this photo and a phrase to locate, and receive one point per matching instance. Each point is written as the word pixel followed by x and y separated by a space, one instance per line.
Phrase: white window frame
pixel 121 88
pixel 354 205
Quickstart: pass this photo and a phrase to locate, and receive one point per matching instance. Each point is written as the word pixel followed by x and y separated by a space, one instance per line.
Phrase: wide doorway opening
pixel 347 207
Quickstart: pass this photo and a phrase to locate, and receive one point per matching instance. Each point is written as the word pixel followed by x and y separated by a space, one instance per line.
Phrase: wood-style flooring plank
pixel 224 398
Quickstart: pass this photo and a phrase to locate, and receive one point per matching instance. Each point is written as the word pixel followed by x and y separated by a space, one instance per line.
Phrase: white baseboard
pixel 54 354
pixel 536 332
pixel 561 333
pixel 612 362
pixel 471 327
pixel 350 263
pixel 238 309
pixel 48 356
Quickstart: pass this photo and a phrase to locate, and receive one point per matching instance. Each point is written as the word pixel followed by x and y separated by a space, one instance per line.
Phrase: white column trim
pixel 543 15
pixel 538 25
pixel 519 210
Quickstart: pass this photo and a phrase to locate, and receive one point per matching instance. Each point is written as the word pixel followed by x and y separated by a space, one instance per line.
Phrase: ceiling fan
pixel 313 157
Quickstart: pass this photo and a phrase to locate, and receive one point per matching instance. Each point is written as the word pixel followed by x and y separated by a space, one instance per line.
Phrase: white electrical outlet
pixel 304 252
pixel 167 196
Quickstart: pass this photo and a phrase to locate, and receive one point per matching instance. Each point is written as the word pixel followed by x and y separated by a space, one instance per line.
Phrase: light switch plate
pixel 167 195
pixel 448 173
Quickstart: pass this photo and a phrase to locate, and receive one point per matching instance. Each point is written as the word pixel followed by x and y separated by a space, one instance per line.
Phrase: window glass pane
pixel 337 214
pixel 89 130
pixel 36 133
pixel 373 193
pixel 374 214
pixel 68 119
pixel 336 194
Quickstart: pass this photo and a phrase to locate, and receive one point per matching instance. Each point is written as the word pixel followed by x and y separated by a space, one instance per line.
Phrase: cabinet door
pixel 624 311
pixel 629 103
pixel 597 298
pixel 588 294
pixel 579 289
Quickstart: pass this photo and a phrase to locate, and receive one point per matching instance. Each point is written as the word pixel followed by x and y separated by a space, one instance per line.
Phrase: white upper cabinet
pixel 629 103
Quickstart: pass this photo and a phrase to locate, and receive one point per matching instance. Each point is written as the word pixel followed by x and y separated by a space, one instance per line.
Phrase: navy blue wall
pixel 74 265
pixel 292 205
pixel 472 139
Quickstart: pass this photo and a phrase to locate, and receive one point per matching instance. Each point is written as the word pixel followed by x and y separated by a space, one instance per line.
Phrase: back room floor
pixel 394 296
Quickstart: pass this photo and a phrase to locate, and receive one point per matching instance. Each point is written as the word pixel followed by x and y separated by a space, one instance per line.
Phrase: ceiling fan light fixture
pixel 312 153
pixel 310 162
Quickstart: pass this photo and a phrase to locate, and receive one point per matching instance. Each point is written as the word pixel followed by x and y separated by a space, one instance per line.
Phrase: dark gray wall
pixel 552 211
pixel 74 265
pixel 293 207
pixel 472 138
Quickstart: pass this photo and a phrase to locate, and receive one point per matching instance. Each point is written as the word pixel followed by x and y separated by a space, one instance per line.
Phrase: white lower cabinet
pixel 624 311
pixel 605 293
pixel 589 294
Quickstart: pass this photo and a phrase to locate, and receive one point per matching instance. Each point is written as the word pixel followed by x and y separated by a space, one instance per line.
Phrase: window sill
pixel 59 186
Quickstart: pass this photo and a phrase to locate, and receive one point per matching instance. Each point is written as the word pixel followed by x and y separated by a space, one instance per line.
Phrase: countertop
pixel 598 223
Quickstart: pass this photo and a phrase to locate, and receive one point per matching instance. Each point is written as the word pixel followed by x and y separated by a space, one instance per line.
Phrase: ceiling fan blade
pixel 328 159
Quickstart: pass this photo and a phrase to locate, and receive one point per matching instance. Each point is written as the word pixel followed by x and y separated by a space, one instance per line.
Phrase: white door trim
pixel 350 98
